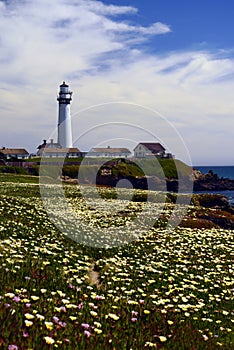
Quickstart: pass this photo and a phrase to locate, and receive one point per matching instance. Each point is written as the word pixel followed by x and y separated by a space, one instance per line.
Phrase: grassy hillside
pixel 161 168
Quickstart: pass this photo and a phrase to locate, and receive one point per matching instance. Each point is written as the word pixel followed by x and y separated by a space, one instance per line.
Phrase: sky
pixel 159 70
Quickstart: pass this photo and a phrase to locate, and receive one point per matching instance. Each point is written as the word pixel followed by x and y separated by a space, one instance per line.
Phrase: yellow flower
pixel 97 330
pixel 28 323
pixel 162 338
pixel 113 316
pixel 170 322
pixel 40 317
pixel 49 340
pixel 29 316
pixel 93 313
pixel 25 300
pixel 97 324
pixel 10 295
pixel 146 312
pixel 34 297
pixel 49 325
pixel 72 318
pixel 150 345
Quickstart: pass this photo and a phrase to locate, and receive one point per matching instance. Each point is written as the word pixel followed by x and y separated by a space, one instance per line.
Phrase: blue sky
pixel 197 23
pixel 174 57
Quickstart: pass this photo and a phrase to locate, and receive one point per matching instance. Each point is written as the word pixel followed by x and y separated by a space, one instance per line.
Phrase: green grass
pixel 169 289
pixel 16 178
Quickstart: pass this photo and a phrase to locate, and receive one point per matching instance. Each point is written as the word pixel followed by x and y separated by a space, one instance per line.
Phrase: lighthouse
pixel 64 117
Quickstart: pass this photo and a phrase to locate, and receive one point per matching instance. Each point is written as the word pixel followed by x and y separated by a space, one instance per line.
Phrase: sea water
pixel 221 171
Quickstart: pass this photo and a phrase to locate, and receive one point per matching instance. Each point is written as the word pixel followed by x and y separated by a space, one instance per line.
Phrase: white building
pixel 109 152
pixel 54 150
pixel 150 149
pixel 13 153
pixel 64 116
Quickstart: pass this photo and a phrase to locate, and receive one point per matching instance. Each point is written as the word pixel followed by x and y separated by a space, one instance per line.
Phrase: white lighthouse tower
pixel 64 116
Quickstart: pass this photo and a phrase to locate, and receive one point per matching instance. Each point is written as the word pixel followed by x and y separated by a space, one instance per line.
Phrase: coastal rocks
pixel 211 182
pixel 211 201
pixel 210 210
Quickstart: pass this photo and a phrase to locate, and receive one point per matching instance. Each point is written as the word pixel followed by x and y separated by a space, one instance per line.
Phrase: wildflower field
pixel 167 289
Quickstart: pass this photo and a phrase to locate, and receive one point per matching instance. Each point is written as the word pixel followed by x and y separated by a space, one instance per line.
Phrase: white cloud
pixel 154 29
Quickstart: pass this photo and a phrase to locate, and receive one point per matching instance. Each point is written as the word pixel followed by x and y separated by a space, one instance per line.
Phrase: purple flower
pixel 87 333
pixel 27 278
pixel 16 299
pixel 98 297
pixel 28 305
pixel 134 313
pixel 12 347
pixel 133 319
pixel 25 334
pixel 7 305
pixel 71 286
pixel 80 306
pixel 141 301
pixel 85 325
pixel 62 324
pixel 55 319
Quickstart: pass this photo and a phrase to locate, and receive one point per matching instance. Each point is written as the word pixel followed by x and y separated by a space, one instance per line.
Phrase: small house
pixel 109 152
pixel 13 153
pixel 150 149
pixel 54 150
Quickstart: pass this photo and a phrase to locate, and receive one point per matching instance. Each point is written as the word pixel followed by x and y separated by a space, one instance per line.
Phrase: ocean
pixel 221 171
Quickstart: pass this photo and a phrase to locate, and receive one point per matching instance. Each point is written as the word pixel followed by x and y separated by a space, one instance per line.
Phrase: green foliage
pixel 13 169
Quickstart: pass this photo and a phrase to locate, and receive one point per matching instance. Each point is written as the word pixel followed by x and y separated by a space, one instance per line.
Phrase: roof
pixel 13 151
pixel 61 150
pixel 49 145
pixel 154 147
pixel 64 84
pixel 110 150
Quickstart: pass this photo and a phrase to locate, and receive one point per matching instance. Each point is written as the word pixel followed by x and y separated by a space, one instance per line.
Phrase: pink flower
pixel 16 299
pixel 134 313
pixel 55 319
pixel 12 347
pixel 25 334
pixel 62 324
pixel 85 325
pixel 141 301
pixel 133 319
pixel 87 333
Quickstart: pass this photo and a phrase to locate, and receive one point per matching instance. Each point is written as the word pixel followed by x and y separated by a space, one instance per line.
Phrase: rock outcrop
pixel 211 182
